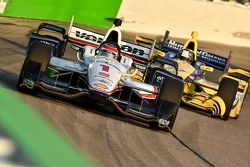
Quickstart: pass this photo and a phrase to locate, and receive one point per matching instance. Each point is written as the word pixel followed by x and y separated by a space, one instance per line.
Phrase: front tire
pixel 36 63
pixel 169 100
pixel 227 91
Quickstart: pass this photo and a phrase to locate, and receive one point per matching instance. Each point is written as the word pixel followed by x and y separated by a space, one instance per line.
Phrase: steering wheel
pixel 112 45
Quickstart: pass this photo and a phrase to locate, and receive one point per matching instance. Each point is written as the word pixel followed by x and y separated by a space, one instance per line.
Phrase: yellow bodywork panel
pixel 239 71
pixel 206 68
pixel 138 76
pixel 235 111
pixel 221 104
pixel 206 83
pixel 159 53
pixel 213 103
pixel 208 90
pixel 189 88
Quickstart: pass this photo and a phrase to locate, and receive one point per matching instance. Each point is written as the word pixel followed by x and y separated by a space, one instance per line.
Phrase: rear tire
pixel 36 62
pixel 227 91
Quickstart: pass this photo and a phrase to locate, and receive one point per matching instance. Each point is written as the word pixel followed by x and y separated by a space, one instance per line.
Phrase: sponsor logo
pixel 212 58
pixel 96 38
pixel 97 78
pixel 163 122
pixel 128 49
pixel 104 74
pixel 47 43
pixel 89 37
pixel 146 95
pixel 174 45
pixel 110 64
pixel 102 80
pixel 100 85
pixel 105 68
pixel 29 83
pixel 203 55
pixel 159 79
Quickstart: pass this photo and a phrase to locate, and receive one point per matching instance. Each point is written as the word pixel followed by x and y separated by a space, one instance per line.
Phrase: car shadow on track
pixel 16 44
pixel 195 110
pixel 9 80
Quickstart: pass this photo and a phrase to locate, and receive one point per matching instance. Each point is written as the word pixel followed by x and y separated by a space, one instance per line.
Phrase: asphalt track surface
pixel 111 140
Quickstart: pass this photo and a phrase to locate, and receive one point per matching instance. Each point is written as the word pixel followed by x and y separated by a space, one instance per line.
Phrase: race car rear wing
pixel 210 59
pixel 81 36
pixel 52 27
pixel 167 45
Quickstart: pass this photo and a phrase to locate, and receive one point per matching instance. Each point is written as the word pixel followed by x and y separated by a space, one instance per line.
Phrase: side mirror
pixel 207 68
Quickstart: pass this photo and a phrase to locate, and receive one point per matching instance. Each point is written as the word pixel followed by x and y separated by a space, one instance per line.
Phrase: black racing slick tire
pixel 170 95
pixel 227 91
pixel 36 62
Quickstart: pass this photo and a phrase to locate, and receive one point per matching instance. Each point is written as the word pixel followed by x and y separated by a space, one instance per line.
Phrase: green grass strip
pixel 91 12
pixel 35 135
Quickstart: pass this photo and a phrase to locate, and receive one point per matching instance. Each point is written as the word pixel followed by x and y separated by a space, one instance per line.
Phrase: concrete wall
pixel 221 23
pixel 215 22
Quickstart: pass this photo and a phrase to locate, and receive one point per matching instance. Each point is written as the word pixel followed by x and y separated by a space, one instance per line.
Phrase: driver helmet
pixel 186 55
pixel 108 52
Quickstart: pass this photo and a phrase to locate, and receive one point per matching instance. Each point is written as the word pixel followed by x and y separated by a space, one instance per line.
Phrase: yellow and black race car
pixel 223 97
